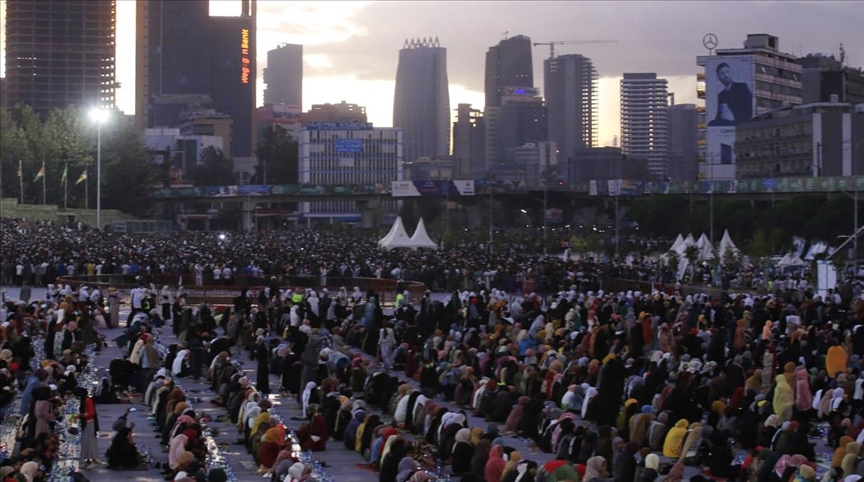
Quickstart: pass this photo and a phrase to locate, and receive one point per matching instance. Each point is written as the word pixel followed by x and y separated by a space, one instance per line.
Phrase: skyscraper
pixel 521 120
pixel 187 60
pixel 508 64
pixel 284 75
pixel 60 53
pixel 422 102
pixel 570 84
pixel 683 142
pixel 469 142
pixel 644 121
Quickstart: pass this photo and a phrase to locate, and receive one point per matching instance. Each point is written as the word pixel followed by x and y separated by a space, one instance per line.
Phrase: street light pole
pixel 99 116
pixel 99 175
pixel 545 202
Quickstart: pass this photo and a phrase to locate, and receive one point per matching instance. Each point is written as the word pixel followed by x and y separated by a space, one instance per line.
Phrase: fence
pixel 225 293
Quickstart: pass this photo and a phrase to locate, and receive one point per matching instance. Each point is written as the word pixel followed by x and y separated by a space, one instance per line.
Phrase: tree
pixel 128 173
pixel 214 169
pixel 692 255
pixel 673 261
pixel 759 246
pixel 278 158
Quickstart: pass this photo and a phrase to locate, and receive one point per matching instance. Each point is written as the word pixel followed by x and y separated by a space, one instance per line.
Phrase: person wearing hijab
pixel 29 470
pixel 481 457
pixel 308 397
pixel 313 436
pixel 674 439
pixel 625 466
pixel 495 465
pixel 835 360
pixel 515 458
pixel 676 473
pixel 648 472
pixel 89 420
pixel 463 451
pixel 524 472
pixel 390 463
pixel 272 444
pixel 692 440
pixel 596 470
pixel 123 454
pixel 783 398
pixel 849 463
pixel 840 452
pixel 262 356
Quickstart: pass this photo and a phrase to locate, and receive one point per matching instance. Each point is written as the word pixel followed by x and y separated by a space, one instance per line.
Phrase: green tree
pixel 673 261
pixel 128 173
pixel 759 246
pixel 214 169
pixel 278 159
pixel 692 256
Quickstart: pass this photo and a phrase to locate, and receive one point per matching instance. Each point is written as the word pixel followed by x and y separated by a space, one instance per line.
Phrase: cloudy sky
pixel 351 48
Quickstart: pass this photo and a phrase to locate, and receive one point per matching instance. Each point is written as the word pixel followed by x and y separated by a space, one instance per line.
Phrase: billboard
pixel 349 146
pixel 729 100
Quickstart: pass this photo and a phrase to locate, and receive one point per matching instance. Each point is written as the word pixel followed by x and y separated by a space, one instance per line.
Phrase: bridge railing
pixel 225 292
pixel 479 187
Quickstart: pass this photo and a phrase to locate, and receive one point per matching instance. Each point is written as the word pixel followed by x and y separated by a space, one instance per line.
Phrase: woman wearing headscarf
pixel 674 439
pixel 783 398
pixel 840 451
pixel 835 360
pixel 273 443
pixel 624 467
pixel 390 463
pixel 693 439
pixel 178 446
pixel 514 419
pixel 29 470
pixel 480 458
pixel 262 356
pixel 495 465
pixel 350 435
pixel 180 367
pixel 596 470
pixel 850 460
pixel 308 397
pixel 515 458
pixel 648 472
pixel 313 436
pixel 463 451
pixel 43 411
pixel 122 454
pixel 89 421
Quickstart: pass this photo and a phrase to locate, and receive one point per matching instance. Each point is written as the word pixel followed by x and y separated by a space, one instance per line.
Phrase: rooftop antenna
pixel 505 34
pixel 842 54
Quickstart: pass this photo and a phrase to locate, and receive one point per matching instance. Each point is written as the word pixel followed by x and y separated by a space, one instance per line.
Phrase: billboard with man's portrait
pixel 729 100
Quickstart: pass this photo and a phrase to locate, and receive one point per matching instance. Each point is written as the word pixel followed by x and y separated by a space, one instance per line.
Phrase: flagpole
pixel 21 181
pixel 44 188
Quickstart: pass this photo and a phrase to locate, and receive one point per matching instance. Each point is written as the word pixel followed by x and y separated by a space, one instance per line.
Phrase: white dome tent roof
pixel 421 238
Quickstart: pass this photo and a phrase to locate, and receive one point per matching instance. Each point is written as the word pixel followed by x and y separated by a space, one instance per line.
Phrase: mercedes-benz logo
pixel 709 41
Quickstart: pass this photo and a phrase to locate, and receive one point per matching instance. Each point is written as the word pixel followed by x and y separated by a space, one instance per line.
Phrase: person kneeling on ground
pixel 313 436
pixel 123 454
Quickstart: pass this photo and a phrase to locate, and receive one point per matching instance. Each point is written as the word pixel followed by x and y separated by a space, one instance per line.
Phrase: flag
pixel 65 172
pixel 81 178
pixel 40 174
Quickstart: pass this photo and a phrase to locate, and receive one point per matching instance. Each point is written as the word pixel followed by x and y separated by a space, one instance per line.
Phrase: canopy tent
pixel 677 244
pixel 815 250
pixel 727 245
pixel 703 240
pixel 396 238
pixel 421 238
pixel 682 248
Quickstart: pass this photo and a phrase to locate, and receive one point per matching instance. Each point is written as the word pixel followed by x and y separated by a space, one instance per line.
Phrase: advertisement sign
pixel 253 190
pixel 221 191
pixel 729 100
pixel 404 189
pixel 339 126
pixel 348 146
pixel 464 188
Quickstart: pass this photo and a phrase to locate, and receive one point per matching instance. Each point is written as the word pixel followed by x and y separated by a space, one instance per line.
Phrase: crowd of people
pixel 624 386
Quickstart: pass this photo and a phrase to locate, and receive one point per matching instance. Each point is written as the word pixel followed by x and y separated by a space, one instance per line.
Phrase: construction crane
pixel 553 43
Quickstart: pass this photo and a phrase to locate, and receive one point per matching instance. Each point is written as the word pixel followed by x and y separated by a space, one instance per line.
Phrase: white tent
pixel 421 238
pixel 682 248
pixel 815 250
pixel 396 238
pixel 706 252
pixel 677 244
pixel 703 240
pixel 726 244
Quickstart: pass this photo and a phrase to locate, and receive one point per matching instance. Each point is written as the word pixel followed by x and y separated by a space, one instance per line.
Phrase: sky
pixel 351 48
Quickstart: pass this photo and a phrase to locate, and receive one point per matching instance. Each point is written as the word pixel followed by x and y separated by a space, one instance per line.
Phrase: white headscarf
pixel 177 366
pixel 307 392
pixel 590 393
